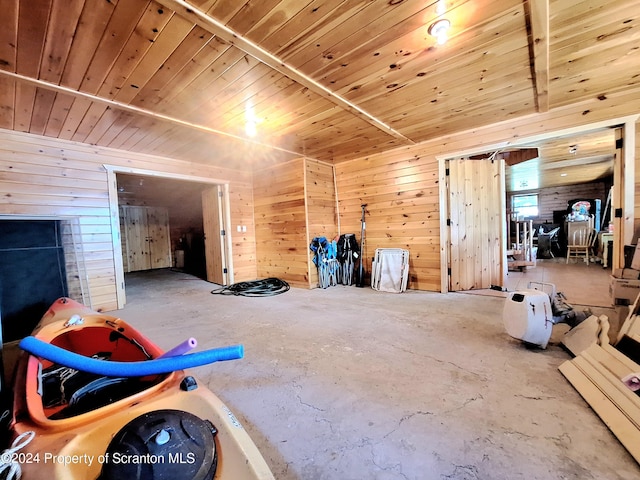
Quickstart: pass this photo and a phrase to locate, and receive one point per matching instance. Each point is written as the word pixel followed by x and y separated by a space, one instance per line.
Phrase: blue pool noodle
pixel 128 369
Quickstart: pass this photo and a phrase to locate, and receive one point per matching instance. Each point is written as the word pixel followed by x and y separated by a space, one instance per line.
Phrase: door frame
pixel 624 169
pixel 112 170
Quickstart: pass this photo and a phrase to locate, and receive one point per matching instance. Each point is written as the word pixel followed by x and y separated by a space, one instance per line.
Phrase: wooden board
pixel 159 237
pixel 596 373
pixel 213 227
pixel 136 238
pixel 147 240
pixel 476 258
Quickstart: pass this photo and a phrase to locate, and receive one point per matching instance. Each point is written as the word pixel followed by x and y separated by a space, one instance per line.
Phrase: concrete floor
pixel 348 383
pixel 583 284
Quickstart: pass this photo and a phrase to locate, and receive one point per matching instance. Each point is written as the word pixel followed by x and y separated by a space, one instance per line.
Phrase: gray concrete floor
pixel 348 383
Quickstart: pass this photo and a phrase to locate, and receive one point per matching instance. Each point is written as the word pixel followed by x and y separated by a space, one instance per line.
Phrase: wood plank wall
pixel 74 262
pixel 400 190
pixel 44 177
pixel 400 186
pixel 245 266
pixel 322 215
pixel 294 202
pixel 280 222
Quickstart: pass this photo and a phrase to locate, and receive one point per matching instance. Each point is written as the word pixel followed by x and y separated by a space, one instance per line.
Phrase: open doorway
pixel 563 190
pixel 161 222
pixel 610 161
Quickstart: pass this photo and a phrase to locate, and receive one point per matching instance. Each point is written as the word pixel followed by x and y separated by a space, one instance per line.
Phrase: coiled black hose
pixel 255 288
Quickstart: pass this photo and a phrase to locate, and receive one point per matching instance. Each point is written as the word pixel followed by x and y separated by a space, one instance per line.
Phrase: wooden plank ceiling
pixel 565 161
pixel 329 79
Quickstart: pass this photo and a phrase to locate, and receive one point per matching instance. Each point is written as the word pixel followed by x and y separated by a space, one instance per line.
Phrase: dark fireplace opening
pixel 33 273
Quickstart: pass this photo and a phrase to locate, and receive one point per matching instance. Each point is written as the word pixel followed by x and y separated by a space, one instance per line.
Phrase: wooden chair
pixel 581 243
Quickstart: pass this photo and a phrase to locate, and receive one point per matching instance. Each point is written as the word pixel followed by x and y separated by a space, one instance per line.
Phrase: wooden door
pixel 214 235
pixel 136 238
pixel 477 258
pixel 147 241
pixel 159 244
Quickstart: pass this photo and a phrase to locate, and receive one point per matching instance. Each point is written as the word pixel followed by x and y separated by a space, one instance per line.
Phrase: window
pixel 525 205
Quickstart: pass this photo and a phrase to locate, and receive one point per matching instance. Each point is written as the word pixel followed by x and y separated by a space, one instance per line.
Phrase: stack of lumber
pixel 597 373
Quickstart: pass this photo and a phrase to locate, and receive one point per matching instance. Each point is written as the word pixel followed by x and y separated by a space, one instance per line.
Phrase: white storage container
pixel 528 317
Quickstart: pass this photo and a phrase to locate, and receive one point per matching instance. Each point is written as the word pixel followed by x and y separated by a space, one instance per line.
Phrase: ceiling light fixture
pixel 251 125
pixel 439 30
pixel 573 149
pixel 250 128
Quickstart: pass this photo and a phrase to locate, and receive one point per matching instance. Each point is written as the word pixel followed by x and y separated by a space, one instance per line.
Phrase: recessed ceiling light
pixel 563 174
pixel 439 30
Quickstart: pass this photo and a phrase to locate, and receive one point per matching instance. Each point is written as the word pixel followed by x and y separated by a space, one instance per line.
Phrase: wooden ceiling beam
pixel 515 157
pixel 538 24
pixel 217 28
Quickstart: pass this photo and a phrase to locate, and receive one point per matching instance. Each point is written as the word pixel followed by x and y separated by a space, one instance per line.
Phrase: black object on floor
pixel 256 288
pixel 630 347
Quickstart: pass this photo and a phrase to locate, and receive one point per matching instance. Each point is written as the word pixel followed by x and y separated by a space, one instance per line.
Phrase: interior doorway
pixel 178 242
pixel 623 163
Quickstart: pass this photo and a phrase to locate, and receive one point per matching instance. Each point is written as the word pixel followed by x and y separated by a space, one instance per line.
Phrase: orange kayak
pixel 91 426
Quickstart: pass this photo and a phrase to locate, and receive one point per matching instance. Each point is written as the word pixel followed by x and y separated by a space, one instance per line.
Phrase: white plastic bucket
pixel 527 316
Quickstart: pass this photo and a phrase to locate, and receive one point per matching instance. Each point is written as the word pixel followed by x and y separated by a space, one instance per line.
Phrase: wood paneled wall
pixel 43 177
pixel 74 261
pixel 280 219
pixel 557 198
pixel 400 190
pixel 322 215
pixel 245 266
pixel 294 202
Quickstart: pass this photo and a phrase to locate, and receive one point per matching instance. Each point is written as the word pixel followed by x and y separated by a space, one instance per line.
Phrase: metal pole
pixel 360 282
